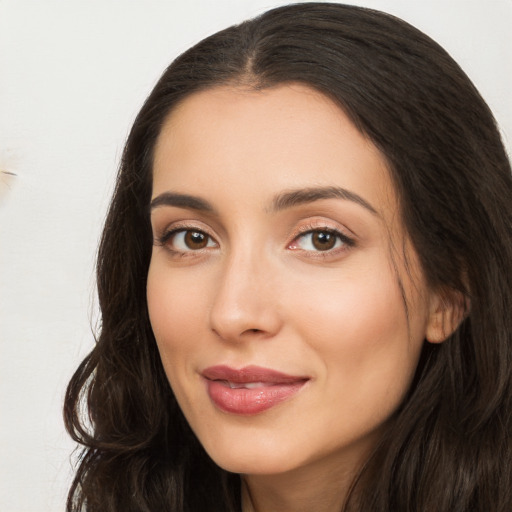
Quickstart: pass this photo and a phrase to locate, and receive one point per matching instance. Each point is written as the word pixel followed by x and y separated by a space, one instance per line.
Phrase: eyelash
pixel 168 235
pixel 346 241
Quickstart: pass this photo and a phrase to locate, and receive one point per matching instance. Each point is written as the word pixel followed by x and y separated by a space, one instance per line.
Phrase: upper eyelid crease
pixel 346 239
pixel 168 232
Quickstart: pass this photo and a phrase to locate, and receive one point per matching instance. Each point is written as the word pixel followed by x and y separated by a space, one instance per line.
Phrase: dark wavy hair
pixel 449 447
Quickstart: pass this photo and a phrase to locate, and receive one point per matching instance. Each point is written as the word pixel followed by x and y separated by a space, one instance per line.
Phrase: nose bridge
pixel 243 302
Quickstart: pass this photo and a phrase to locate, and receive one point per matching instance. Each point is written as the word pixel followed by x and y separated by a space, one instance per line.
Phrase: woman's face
pixel 278 282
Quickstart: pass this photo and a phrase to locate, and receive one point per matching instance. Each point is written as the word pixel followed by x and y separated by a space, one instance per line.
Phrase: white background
pixel 73 74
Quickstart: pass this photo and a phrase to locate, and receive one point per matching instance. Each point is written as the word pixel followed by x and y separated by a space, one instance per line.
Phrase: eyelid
pixel 177 225
pixel 348 238
pixel 163 236
pixel 315 226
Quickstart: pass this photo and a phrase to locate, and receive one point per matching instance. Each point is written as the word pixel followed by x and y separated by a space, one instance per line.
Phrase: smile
pixel 250 390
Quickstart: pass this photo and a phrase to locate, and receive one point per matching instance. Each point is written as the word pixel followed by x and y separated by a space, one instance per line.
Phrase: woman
pixel 305 282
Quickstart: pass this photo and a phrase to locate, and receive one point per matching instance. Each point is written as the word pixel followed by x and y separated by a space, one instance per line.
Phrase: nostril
pixel 235 320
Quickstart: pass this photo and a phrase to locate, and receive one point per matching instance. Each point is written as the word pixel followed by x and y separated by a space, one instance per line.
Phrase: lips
pixel 250 390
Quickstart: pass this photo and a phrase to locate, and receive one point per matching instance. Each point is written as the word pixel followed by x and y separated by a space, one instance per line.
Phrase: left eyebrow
pixel 309 195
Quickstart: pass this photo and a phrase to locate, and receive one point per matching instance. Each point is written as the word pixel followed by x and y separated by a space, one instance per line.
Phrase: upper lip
pixel 250 374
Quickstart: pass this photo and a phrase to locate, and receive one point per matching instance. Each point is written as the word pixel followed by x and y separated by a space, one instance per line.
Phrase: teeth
pixel 254 385
pixel 246 385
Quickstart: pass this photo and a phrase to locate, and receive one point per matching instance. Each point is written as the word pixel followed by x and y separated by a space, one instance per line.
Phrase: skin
pixel 261 293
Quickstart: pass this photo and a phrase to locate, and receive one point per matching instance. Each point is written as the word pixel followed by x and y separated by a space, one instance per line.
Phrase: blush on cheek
pixel 170 307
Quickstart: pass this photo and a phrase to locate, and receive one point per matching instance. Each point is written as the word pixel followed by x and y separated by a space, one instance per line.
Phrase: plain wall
pixel 72 77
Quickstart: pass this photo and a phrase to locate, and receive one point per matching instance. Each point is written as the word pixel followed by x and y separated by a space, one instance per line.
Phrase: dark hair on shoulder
pixel 449 447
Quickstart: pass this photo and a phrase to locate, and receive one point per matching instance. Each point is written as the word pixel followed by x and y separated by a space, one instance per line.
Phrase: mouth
pixel 245 385
pixel 250 390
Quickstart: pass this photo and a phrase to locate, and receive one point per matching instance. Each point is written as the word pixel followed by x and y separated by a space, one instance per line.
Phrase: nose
pixel 245 304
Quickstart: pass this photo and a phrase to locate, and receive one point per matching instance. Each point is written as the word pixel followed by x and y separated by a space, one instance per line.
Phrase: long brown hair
pixel 449 446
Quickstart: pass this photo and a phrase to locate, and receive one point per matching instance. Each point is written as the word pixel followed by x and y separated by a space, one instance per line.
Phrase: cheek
pixel 359 326
pixel 175 312
pixel 353 306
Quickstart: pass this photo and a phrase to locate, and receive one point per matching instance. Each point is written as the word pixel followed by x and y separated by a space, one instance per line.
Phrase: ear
pixel 447 309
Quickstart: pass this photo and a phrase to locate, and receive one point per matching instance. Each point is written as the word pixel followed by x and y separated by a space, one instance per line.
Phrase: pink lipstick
pixel 249 390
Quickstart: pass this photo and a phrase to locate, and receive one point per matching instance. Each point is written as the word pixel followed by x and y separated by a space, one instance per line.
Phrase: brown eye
pixel 186 240
pixel 323 240
pixel 195 240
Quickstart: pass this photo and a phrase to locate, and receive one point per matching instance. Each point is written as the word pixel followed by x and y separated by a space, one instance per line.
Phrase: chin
pixel 254 466
pixel 253 458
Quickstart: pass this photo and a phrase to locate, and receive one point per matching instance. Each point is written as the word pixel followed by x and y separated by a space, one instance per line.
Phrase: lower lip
pixel 250 401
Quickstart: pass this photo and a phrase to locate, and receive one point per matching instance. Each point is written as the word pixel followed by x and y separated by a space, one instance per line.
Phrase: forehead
pixel 235 140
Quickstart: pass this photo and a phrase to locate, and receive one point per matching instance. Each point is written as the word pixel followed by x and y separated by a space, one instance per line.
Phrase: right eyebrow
pixel 181 201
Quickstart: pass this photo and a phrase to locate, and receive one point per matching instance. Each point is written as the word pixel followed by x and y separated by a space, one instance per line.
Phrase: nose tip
pixel 234 320
pixel 245 304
